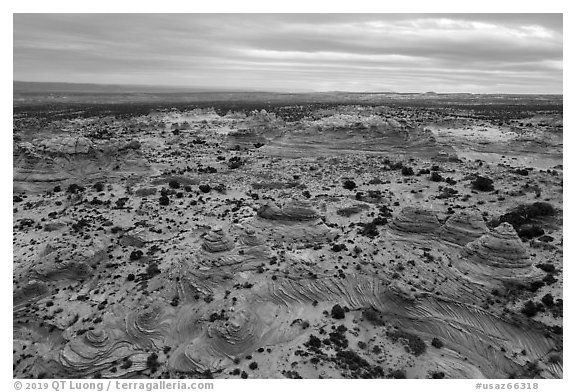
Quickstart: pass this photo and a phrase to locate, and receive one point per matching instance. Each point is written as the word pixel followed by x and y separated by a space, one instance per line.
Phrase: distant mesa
pixel 216 240
pixel 415 220
pixel 463 227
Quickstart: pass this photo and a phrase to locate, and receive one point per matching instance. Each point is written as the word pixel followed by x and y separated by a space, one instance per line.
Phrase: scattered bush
pixel 99 187
pixel 397 374
pixel 205 188
pixel 74 188
pixel 313 342
pixel 349 185
pixel 407 171
pixel 174 184
pixel 337 312
pixel 136 255
pixel 436 177
pixel 530 309
pixel 414 344
pixel 548 300
pixel 525 213
pixel 253 366
pixel 152 362
pixel 548 267
pixel 437 343
pixel 530 231
pixel 164 200
pixel 373 316
pixel 483 184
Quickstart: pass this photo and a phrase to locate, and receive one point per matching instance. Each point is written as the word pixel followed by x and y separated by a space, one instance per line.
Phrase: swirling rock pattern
pixel 463 227
pixel 147 326
pixel 95 351
pixel 250 237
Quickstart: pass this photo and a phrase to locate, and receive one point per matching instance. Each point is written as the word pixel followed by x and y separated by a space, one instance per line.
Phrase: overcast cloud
pixel 508 53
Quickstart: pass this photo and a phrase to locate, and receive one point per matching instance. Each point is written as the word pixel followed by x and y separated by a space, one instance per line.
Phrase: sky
pixel 476 53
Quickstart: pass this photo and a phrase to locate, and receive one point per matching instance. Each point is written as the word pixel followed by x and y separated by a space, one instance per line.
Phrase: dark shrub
pixel 205 188
pixel 136 255
pixel 338 247
pixel 164 200
pixel 99 187
pixel 483 184
pixel 235 162
pixel 548 300
pixel 369 230
pixel 546 267
pixel 174 184
pixel 530 231
pixel 253 366
pixel 313 341
pixel 74 188
pixel 349 184
pixel 397 374
pixel 152 362
pixel 437 343
pixel 407 171
pixel 220 188
pixel 337 312
pixel 530 309
pixel 525 213
pixel 373 316
pixel 414 344
pixel 436 177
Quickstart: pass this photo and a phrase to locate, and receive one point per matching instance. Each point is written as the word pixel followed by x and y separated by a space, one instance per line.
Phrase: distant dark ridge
pixel 23 87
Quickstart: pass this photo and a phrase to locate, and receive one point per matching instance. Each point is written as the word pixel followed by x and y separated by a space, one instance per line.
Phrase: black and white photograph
pixel 201 196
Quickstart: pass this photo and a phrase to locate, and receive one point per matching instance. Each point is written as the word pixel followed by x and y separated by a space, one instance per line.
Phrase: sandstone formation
pixel 500 248
pixel 186 249
pixel 414 220
pixel 293 210
pixel 463 227
pixel 216 240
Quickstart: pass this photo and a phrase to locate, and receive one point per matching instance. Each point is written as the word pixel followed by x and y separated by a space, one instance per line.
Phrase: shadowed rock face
pixel 463 227
pixel 413 220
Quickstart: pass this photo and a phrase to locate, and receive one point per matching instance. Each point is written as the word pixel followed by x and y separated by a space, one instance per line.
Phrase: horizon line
pixel 206 89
